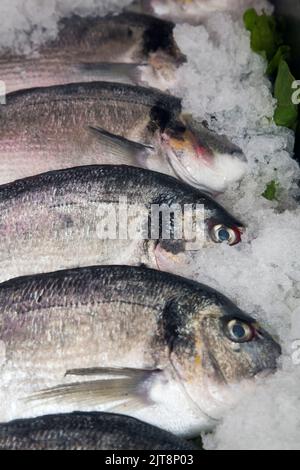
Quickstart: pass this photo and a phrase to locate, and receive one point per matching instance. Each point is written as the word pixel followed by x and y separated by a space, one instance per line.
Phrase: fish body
pixel 126 47
pixel 46 129
pixel 87 431
pixel 140 342
pixel 96 215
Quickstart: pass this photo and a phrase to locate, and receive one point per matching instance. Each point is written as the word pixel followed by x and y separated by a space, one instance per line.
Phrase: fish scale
pixel 51 128
pixel 87 431
pixel 56 217
pixel 95 48
pixel 142 342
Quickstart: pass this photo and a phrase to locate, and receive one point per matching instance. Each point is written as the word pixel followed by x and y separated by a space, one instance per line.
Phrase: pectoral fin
pixel 124 150
pixel 111 371
pixel 121 386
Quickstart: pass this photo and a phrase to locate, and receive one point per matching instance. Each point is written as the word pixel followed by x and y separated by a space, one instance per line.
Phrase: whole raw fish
pixel 129 48
pixel 157 347
pixel 96 123
pixel 100 214
pixel 87 431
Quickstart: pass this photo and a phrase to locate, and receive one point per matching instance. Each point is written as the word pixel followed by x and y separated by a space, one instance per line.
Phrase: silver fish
pixel 87 431
pixel 75 217
pixel 130 48
pixel 139 342
pixel 97 123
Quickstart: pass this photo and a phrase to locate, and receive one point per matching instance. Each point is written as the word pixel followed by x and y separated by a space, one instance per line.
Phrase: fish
pixel 87 431
pixel 193 12
pixel 107 214
pixel 46 129
pixel 130 340
pixel 130 48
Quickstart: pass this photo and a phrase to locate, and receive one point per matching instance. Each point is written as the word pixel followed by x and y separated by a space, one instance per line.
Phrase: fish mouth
pixel 216 171
pixel 182 173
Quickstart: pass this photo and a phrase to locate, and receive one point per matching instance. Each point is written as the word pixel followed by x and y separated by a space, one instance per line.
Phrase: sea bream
pixel 140 342
pixel 129 47
pixel 87 431
pixel 188 11
pixel 100 214
pixel 58 127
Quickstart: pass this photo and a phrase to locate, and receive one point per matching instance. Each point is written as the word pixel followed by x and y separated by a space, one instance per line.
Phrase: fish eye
pixel 221 234
pixel 240 332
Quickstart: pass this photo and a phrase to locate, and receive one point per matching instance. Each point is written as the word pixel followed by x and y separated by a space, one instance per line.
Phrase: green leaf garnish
pixel 267 41
pixel 250 19
pixel 271 191
pixel 283 53
pixel 264 36
pixel 286 113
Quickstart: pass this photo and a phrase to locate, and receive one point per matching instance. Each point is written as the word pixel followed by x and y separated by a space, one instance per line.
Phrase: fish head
pixel 197 223
pixel 159 44
pixel 200 223
pixel 201 157
pixel 219 352
pixel 164 65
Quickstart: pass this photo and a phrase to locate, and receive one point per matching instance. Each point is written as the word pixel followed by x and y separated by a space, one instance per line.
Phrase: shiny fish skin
pixel 83 44
pixel 47 129
pixel 50 221
pixel 170 332
pixel 87 431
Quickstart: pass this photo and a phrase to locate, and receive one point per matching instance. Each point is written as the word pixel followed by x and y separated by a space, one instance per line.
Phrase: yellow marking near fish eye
pixel 184 143
pixel 198 361
pixel 173 258
pixel 177 143
pixel 198 345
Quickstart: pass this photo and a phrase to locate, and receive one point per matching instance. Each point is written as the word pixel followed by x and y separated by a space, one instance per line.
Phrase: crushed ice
pixel 224 83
